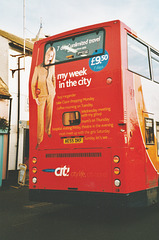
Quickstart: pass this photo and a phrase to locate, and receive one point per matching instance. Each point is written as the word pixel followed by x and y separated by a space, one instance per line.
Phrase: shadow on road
pixel 48 221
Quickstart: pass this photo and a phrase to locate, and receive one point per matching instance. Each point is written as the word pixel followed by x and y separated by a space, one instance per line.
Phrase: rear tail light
pixel 116 159
pixel 117 171
pixel 117 183
pixel 34 180
pixel 34 160
pixel 34 170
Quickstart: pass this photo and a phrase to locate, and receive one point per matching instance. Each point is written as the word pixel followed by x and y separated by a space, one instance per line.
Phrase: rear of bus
pixel 80 160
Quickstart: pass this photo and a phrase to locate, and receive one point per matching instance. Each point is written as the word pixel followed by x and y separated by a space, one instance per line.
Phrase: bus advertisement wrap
pixel 94 133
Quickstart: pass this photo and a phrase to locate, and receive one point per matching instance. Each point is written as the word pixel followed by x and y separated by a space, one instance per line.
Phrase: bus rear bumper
pixel 135 199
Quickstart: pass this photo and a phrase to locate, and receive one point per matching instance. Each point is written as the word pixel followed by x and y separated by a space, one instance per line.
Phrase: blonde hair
pixel 51 49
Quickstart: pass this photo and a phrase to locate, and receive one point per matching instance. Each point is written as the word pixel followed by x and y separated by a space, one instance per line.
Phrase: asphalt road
pixel 21 219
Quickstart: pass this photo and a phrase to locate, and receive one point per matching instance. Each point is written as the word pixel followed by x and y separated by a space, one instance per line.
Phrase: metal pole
pixel 24 29
pixel 18 115
pixel 8 137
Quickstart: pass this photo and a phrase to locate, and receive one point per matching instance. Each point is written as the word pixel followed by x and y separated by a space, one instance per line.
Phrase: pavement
pixel 12 180
pixel 13 194
pixel 18 213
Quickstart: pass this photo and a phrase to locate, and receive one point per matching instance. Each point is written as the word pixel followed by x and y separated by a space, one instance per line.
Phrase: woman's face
pixel 49 57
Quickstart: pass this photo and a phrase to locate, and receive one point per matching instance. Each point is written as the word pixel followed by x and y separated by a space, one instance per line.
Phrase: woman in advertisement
pixel 43 91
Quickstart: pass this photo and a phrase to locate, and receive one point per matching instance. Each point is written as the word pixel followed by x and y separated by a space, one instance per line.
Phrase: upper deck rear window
pixel 76 47
pixel 138 57
pixel 155 65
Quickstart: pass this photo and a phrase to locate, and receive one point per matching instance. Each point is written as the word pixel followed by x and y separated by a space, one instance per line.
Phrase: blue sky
pixel 61 15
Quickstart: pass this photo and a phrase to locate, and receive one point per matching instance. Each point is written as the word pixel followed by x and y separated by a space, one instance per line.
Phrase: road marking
pixel 36 205
pixel 15 187
pixel 23 222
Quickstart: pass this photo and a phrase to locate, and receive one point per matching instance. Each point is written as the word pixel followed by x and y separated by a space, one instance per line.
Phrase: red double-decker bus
pixel 94 117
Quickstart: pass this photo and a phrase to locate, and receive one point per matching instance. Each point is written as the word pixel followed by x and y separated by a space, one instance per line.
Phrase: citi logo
pixel 64 171
pixel 59 171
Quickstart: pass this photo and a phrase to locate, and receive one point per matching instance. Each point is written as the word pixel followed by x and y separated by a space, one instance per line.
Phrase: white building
pixel 14 71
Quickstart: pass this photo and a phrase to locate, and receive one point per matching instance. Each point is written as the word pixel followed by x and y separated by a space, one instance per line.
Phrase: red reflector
pixel 109 80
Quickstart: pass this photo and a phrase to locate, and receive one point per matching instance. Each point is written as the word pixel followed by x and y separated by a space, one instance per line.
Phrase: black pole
pixel 18 114
pixel 8 142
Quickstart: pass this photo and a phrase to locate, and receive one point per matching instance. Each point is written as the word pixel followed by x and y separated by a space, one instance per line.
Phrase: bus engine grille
pixel 72 155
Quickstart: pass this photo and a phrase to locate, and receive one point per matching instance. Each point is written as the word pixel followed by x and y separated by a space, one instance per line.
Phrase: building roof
pixel 4 88
pixel 17 40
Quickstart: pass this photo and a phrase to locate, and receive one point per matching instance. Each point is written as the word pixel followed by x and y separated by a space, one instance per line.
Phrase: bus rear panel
pixel 89 146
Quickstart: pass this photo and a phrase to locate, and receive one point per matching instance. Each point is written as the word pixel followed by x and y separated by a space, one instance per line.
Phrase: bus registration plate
pixel 72 140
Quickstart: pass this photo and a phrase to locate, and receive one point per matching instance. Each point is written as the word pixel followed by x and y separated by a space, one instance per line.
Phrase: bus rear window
pixel 77 47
